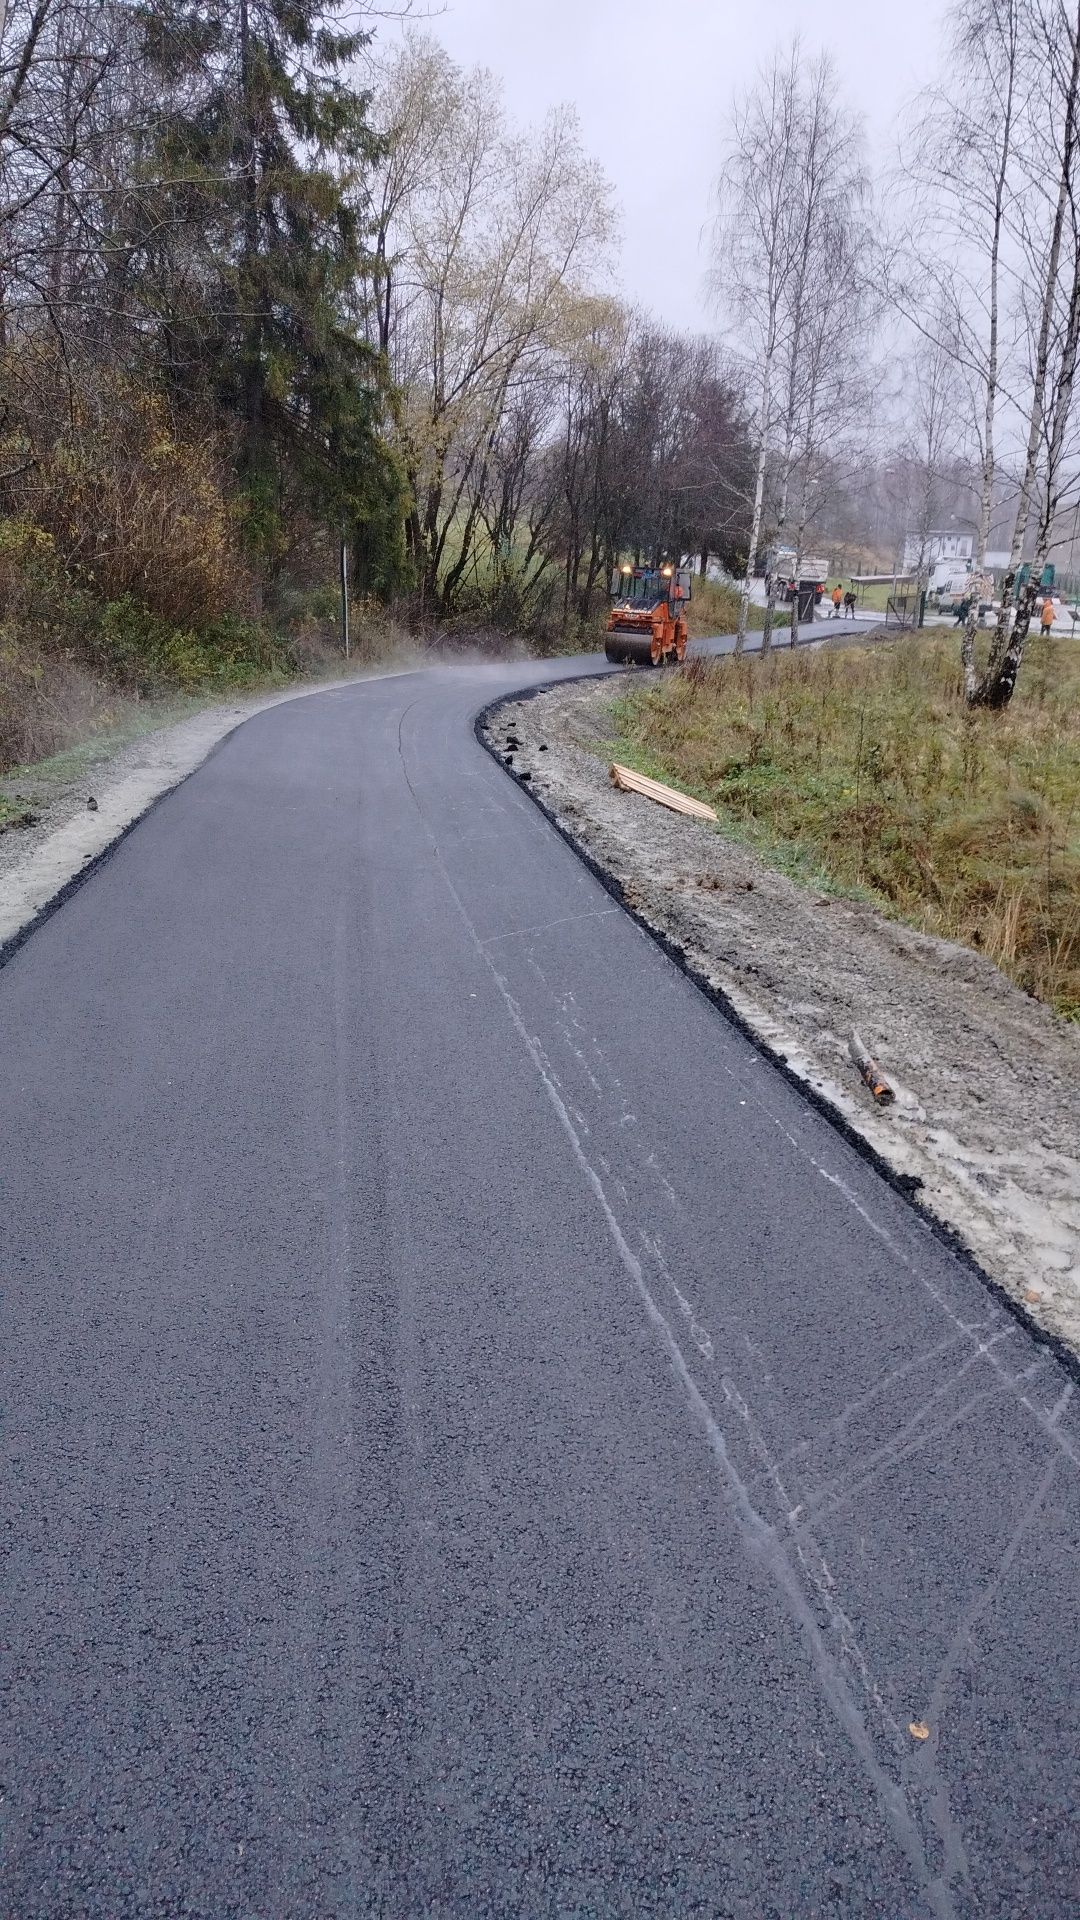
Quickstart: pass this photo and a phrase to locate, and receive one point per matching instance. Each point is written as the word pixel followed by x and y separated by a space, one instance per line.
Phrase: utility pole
pixel 345 592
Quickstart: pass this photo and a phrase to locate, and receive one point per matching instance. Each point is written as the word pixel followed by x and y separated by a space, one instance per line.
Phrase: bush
pixel 133 506
pixel 64 656
pixel 138 649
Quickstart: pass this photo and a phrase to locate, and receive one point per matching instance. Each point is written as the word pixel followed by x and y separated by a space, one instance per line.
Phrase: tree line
pixel 268 286
pixel 264 288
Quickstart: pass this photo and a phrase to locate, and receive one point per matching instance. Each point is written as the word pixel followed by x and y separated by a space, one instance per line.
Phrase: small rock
pixel 92 804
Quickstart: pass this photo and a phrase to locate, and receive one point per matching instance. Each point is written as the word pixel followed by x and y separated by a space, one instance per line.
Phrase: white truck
pixel 780 562
pixel 949 579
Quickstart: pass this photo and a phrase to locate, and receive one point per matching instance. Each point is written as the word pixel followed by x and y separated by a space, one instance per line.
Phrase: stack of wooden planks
pixel 631 782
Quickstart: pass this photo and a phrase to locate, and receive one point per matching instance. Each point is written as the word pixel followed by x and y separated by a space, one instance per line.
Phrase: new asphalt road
pixel 476 1441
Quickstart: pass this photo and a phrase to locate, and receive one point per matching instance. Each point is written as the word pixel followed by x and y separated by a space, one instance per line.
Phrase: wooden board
pixel 631 782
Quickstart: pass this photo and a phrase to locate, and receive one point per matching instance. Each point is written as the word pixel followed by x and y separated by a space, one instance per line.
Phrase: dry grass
pixel 714 608
pixel 863 766
pixel 46 703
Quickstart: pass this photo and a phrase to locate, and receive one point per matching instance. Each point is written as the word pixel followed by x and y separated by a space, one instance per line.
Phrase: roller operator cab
pixel 647 623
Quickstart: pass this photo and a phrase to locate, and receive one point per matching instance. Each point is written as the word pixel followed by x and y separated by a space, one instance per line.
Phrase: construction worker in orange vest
pixel 837 600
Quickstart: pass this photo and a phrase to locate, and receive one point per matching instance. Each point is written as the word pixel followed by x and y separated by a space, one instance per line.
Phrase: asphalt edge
pixel 10 945
pixel 906 1185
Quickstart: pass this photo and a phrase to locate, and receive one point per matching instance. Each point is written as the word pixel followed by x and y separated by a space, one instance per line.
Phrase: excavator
pixel 647 623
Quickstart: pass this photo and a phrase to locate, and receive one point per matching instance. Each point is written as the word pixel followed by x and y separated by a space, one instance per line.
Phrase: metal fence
pixel 902 610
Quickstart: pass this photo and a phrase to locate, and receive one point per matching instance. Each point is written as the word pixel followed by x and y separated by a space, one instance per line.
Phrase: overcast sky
pixel 652 80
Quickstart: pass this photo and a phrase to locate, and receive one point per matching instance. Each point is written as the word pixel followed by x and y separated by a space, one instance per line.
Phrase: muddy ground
pixel 987 1118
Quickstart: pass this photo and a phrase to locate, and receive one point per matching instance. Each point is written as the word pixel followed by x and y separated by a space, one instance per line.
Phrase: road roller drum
pixel 631 650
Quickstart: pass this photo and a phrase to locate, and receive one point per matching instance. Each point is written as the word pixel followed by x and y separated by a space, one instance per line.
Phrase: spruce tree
pixel 259 172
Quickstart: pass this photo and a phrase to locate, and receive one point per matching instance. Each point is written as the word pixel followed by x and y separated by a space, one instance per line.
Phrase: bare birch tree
pixel 965 165
pixel 823 309
pixel 934 438
pixel 1004 155
pixel 755 252
pixel 1056 49
pixel 837 389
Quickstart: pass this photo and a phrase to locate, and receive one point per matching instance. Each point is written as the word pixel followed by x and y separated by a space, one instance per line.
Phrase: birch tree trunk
pixel 995 689
pixel 755 527
pixel 989 463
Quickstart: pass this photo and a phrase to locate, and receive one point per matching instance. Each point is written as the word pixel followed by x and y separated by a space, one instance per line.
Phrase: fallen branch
pixel 630 782
pixel 871 1072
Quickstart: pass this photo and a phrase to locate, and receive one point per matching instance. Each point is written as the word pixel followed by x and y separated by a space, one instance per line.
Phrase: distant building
pixel 954 543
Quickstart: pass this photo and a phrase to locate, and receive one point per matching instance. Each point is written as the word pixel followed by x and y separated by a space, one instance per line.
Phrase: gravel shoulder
pixel 986 1127
pixel 78 804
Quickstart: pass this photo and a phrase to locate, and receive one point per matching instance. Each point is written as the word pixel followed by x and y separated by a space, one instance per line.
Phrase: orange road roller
pixel 647 623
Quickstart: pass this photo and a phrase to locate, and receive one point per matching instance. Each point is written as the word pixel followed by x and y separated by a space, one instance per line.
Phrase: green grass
pixel 861 767
pixel 14 813
pixel 873 599
pixel 786 855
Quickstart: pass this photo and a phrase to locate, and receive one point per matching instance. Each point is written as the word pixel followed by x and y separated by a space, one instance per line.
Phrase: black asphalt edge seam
pixel 10 947
pixel 905 1185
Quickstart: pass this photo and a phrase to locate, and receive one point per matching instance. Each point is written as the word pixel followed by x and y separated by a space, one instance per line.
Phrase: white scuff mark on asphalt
pixel 546 926
pixel 835 1427
pixel 1060 1404
pixel 982 1347
pixel 654 1166
pixel 855 1203
pixel 925 1763
pixel 911 1439
pixel 968 1330
pixel 760 1538
pixel 698 1334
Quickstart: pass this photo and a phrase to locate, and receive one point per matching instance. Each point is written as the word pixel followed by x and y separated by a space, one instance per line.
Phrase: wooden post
pixel 870 1072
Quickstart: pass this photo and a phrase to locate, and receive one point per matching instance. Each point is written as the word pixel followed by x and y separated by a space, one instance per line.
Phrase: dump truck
pixel 647 623
pixel 783 563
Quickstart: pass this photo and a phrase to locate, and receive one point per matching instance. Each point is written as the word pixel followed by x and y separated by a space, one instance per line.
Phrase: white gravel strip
pixel 38 862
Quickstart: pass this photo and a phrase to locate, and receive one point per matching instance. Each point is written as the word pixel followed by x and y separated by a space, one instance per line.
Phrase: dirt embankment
pixel 987 1120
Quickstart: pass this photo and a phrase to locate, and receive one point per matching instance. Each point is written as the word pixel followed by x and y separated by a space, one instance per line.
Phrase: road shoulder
pixel 82 804
pixel 984 1131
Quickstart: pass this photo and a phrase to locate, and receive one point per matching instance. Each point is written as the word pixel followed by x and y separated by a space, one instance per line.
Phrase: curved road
pixel 476 1441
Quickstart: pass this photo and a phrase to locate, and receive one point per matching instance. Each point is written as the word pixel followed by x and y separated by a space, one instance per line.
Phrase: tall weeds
pixel 866 763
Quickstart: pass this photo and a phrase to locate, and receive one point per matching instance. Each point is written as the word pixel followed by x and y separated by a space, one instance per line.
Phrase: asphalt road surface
pixel 476 1440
